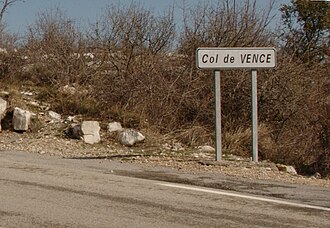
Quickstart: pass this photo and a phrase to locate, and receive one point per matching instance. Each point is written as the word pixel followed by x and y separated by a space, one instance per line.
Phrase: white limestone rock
pixel 114 127
pixel 290 169
pixel 21 119
pixel 130 137
pixel 90 132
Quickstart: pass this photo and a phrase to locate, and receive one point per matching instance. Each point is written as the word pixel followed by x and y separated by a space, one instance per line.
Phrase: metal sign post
pixel 236 58
pixel 217 93
pixel 254 117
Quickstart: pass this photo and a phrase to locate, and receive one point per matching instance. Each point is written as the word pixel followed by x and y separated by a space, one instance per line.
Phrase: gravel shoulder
pixel 50 140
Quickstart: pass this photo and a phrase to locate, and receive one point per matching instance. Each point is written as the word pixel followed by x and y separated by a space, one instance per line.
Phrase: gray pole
pixel 254 117
pixel 217 83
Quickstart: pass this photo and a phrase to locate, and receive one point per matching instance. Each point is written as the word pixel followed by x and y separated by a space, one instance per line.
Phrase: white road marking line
pixel 246 197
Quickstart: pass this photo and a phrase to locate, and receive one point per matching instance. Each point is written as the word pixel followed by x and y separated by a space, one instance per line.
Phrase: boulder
pixel 21 119
pixel 90 132
pixel 114 127
pixel 129 137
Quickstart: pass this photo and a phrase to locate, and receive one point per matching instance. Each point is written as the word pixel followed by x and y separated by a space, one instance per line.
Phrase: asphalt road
pixel 43 191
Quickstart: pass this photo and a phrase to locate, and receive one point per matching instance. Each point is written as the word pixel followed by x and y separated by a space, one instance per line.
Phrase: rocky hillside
pixel 29 125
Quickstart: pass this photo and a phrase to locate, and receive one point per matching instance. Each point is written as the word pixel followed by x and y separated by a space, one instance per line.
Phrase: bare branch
pixel 5 5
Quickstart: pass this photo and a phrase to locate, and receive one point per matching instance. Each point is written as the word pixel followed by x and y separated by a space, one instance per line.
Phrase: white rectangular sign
pixel 234 58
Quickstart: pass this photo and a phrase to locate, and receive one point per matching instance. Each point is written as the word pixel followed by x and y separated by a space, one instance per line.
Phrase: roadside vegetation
pixel 138 67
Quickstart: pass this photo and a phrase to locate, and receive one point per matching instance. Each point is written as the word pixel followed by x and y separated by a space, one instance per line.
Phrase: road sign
pixel 236 58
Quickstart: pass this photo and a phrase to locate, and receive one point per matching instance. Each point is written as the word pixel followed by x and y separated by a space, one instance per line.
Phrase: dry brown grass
pixel 239 142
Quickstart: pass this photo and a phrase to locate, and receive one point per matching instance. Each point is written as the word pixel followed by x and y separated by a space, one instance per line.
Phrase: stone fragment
pixel 114 127
pixel 21 119
pixel 54 115
pixel 317 176
pixel 200 155
pixel 68 90
pixel 287 169
pixel 27 93
pixel 130 137
pixel 167 146
pixel 290 169
pixel 175 146
pixel 72 119
pixel 206 148
pixel 90 132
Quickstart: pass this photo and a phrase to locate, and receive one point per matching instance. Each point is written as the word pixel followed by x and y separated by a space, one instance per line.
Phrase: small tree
pixel 133 31
pixel 5 5
pixel 134 73
pixel 306 29
pixel 54 42
pixel 295 97
pixel 6 38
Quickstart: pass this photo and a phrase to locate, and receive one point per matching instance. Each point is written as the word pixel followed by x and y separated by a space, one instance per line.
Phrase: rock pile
pixel 88 131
